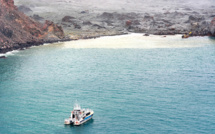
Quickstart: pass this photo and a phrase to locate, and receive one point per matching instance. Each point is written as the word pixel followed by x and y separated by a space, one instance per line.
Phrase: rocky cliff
pixel 18 30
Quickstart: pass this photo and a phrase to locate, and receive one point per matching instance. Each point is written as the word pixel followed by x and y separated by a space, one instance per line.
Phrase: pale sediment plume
pixel 138 41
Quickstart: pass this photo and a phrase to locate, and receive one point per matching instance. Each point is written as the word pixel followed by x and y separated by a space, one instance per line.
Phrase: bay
pixel 134 84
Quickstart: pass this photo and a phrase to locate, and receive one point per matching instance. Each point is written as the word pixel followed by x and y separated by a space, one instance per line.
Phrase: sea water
pixel 134 84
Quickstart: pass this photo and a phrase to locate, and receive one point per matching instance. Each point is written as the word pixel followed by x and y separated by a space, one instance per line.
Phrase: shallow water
pixel 134 84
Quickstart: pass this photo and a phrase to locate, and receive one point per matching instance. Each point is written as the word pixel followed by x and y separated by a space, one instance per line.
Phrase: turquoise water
pixel 131 90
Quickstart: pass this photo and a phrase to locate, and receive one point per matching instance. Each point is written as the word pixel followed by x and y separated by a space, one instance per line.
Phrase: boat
pixel 79 116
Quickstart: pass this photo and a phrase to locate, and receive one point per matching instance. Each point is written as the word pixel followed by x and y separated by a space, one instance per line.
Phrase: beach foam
pixel 9 53
pixel 137 41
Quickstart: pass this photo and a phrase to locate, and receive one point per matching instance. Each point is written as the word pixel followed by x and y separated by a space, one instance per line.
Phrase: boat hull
pixel 77 123
pixel 68 122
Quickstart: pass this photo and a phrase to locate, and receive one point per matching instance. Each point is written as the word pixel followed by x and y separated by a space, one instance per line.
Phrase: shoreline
pixel 23 46
pixel 89 24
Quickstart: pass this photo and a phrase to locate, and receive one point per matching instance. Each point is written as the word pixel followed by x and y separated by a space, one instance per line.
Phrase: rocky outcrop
pixel 37 18
pixel 71 21
pixel 9 4
pixel 67 19
pixel 3 57
pixel 54 30
pixel 167 23
pixel 19 31
pixel 24 9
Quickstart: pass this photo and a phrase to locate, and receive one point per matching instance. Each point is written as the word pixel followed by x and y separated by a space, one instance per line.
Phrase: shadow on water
pixel 211 38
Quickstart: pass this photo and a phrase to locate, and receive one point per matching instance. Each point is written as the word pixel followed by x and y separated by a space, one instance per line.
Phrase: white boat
pixel 79 116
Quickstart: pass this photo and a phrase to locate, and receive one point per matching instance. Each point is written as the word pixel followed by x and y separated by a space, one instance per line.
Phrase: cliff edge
pixel 18 31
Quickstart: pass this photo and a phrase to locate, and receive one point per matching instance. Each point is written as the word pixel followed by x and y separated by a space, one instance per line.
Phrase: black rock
pixel 24 9
pixel 37 17
pixel 98 26
pixel 87 23
pixel 3 57
pixel 82 12
pixel 67 19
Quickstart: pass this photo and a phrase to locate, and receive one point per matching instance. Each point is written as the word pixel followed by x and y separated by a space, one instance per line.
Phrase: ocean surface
pixel 134 84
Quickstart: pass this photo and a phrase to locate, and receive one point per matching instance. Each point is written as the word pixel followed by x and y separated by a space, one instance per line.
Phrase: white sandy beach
pixel 138 41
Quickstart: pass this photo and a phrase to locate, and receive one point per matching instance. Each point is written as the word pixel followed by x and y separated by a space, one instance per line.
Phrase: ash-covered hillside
pixel 89 17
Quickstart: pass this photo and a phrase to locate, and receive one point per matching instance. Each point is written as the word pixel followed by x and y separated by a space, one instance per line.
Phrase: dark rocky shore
pixel 18 31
